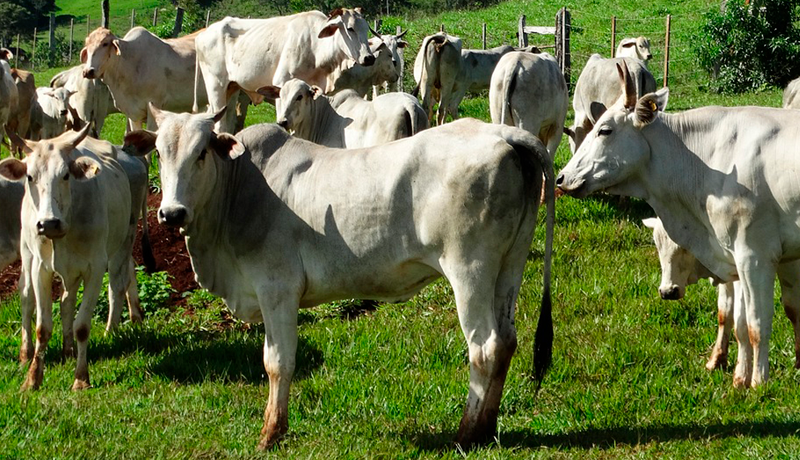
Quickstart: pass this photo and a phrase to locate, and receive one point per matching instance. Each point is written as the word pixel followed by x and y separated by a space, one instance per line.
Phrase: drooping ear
pixel 335 13
pixel 84 55
pixel 651 222
pixel 596 110
pixel 13 169
pixel 270 92
pixel 402 43
pixel 330 29
pixel 570 133
pixel 649 105
pixel 158 114
pixel 22 144
pixel 139 143
pixel 6 54
pixel 116 44
pixel 226 146
pixel 84 168
pixel 627 43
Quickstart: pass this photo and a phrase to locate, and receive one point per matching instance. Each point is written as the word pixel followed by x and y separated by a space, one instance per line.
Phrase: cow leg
pixel 27 303
pixel 789 276
pixel 757 278
pixel 135 311
pixel 280 348
pixel 725 300
pixel 68 301
pixel 43 290
pixel 120 277
pixel 92 284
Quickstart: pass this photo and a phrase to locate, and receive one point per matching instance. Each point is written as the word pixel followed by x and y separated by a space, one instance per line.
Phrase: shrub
pixel 748 47
pixel 45 58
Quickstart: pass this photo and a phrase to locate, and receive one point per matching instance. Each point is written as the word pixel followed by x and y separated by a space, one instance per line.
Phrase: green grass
pixel 116 8
pixel 628 377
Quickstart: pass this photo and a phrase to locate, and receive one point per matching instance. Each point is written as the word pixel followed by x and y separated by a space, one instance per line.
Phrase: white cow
pixel 528 91
pixel 790 99
pixel 385 72
pixel 249 54
pixel 346 120
pixel 141 68
pixel 10 202
pixel 435 70
pixel 49 112
pixel 19 120
pixel 679 268
pixel 76 222
pixel 638 48
pixel 722 181
pixel 91 98
pixel 9 98
pixel 598 88
pixel 274 224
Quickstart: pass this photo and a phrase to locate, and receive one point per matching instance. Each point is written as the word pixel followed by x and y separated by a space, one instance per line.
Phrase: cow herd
pixel 347 197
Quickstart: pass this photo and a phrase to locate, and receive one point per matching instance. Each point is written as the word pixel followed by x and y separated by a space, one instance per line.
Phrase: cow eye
pixel 299 97
pixel 30 178
pixel 66 176
pixel 604 132
pixel 202 155
pixel 104 44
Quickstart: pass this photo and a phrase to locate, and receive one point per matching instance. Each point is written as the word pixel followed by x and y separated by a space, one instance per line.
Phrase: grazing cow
pixel 274 224
pixel 249 54
pixel 346 120
pixel 385 72
pixel 790 99
pixel 10 202
pixel 19 120
pixel 142 68
pixel 91 98
pixel 679 268
pixel 49 112
pixel 76 222
pixel 435 70
pixel 638 48
pixel 598 88
pixel 528 91
pixel 717 177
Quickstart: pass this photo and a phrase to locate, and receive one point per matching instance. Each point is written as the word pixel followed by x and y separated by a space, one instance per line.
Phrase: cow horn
pixel 375 33
pixel 629 89
pixel 401 34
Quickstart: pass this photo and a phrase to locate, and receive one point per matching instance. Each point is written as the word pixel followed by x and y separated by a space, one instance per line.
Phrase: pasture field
pixel 628 377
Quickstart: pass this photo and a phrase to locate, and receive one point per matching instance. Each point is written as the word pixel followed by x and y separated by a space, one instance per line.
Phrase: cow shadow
pixel 606 438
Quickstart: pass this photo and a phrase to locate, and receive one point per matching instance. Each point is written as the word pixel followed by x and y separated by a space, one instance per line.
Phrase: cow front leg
pixel 280 348
pixel 68 301
pixel 27 304
pixel 92 285
pixel 725 301
pixel 43 291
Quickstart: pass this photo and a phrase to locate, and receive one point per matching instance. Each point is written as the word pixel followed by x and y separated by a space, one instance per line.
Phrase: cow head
pixel 353 34
pixel 101 48
pixel 59 101
pixel 679 268
pixel 189 151
pixel 48 169
pixel 615 148
pixel 635 47
pixel 296 98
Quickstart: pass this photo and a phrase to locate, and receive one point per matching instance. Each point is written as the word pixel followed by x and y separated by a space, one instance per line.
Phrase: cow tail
pixel 147 249
pixel 509 84
pixel 195 106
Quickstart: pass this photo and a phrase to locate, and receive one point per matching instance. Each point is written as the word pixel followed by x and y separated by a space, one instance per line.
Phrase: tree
pixel 21 16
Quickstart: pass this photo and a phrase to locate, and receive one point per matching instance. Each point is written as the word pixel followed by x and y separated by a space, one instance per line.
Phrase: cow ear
pixel 596 110
pixel 402 43
pixel 13 169
pixel 329 30
pixel 335 13
pixel 139 143
pixel 115 43
pixel 84 168
pixel 570 133
pixel 84 55
pixel 25 146
pixel 6 54
pixel 650 222
pixel 358 10
pixel 627 44
pixel 270 92
pixel 226 146
pixel 649 105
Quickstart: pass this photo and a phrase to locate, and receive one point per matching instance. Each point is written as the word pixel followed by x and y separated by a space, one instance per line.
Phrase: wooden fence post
pixel 400 52
pixel 613 36
pixel 208 16
pixel 33 52
pixel 441 29
pixel 483 35
pixel 155 16
pixel 666 51
pixel 133 18
pixel 16 55
pixel 88 25
pixel 71 36
pixel 51 36
pixel 106 15
pixel 522 37
pixel 563 55
pixel 178 23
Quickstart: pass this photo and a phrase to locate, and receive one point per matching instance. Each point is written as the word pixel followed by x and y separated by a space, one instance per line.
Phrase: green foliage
pixel 154 292
pixel 749 49
pixel 45 57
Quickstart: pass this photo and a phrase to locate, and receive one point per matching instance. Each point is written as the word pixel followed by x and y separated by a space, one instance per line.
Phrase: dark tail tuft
pixel 543 340
pixel 147 253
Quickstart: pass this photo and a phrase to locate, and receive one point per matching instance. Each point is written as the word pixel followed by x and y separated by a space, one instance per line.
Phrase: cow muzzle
pixel 670 292
pixel 173 216
pixel 368 60
pixel 283 123
pixel 51 228
pixel 88 73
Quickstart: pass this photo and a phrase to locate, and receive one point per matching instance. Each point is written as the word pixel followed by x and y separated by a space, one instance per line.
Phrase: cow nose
pixel 369 60
pixel 51 228
pixel 649 56
pixel 63 113
pixel 88 73
pixel 670 293
pixel 174 216
pixel 559 180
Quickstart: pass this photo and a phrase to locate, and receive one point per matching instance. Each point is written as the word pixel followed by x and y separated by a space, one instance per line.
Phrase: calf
pixel 385 72
pixel 90 98
pixel 638 48
pixel 49 112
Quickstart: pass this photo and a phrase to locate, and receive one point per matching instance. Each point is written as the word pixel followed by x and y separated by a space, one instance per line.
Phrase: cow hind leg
pixel 68 301
pixel 789 276
pixel 92 285
pixel 725 301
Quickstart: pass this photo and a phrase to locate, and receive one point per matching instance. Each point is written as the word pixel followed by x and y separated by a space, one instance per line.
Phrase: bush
pixel 749 48
pixel 45 58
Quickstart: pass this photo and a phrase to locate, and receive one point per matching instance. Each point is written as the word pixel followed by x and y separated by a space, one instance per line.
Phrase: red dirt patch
pixel 9 279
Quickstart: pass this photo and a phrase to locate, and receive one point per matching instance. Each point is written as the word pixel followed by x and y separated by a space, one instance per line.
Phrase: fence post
pixel 88 25
pixel 613 36
pixel 483 34
pixel 51 37
pixel 16 55
pixel 106 15
pixel 155 16
pixel 178 23
pixel 71 36
pixel 666 51
pixel 563 55
pixel 400 51
pixel 133 18
pixel 33 51
pixel 522 37
pixel 376 25
pixel 208 16
pixel 441 29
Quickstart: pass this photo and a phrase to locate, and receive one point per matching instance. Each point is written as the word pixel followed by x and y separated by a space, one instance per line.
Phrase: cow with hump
pixel 249 54
pixel 722 181
pixel 76 222
pixel 274 223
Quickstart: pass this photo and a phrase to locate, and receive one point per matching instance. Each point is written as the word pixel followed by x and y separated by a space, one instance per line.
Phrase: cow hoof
pixel 269 441
pixel 25 356
pixel 29 385
pixel 717 361
pixel 80 385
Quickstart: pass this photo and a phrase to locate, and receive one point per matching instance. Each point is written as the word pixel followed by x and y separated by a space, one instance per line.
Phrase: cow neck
pixel 329 53
pixel 677 184
pixel 207 230
pixel 326 127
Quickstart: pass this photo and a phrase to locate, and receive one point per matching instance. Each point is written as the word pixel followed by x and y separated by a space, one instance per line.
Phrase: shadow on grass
pixel 605 438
